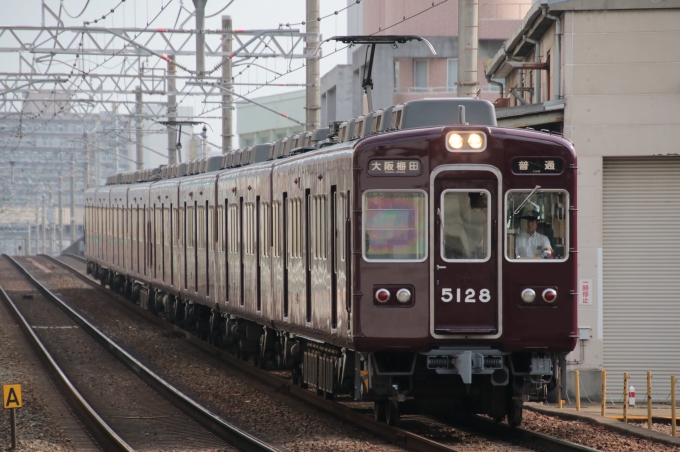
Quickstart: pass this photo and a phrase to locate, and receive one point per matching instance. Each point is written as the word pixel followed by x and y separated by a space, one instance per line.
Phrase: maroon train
pixel 409 257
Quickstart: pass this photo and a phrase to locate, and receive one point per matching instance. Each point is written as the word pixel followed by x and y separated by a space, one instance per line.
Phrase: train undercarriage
pixel 446 380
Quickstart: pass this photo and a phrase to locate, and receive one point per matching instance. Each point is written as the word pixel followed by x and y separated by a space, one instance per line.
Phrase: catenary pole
pixel 227 98
pixel 313 37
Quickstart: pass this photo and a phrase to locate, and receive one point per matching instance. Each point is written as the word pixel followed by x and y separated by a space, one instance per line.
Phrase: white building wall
pixel 622 99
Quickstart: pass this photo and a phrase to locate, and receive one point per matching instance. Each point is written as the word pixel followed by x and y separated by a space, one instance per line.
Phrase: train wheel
pixel 392 413
pixel 515 413
pixel 379 410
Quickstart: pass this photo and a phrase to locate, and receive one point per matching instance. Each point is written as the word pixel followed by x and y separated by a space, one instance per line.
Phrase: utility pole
pixel 227 98
pixel 139 138
pixel 313 37
pixel 61 212
pixel 200 38
pixel 44 225
pixel 72 207
pixel 204 142
pixel 28 240
pixel 172 111
pixel 97 159
pixel 86 140
pixel 114 108
pixel 468 42
pixel 52 228
pixel 37 230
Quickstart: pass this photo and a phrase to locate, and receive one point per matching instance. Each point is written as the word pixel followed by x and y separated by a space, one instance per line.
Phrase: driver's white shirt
pixel 531 245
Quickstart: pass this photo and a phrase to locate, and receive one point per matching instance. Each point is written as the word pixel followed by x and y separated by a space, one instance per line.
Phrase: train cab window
pixel 537 225
pixel 395 225
pixel 466 228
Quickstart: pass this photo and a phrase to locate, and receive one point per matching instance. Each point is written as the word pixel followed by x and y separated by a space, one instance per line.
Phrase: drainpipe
pixel 520 83
pixel 558 51
pixel 499 84
pixel 537 58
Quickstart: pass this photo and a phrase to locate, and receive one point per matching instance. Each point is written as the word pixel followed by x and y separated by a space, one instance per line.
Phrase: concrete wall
pixel 622 94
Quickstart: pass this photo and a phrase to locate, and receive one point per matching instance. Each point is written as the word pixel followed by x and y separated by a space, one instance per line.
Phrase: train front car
pixel 465 263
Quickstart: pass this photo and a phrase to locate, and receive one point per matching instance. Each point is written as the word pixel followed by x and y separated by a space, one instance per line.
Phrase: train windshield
pixel 537 224
pixel 466 231
pixel 395 225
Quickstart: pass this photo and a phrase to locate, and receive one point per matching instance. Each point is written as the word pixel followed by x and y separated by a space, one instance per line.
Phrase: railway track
pixel 505 438
pixel 122 404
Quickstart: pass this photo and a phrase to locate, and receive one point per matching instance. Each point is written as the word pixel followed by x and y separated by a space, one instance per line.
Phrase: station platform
pixel 637 418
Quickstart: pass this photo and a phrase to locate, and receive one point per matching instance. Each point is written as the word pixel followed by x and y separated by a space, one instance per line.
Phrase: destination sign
pixel 537 166
pixel 394 167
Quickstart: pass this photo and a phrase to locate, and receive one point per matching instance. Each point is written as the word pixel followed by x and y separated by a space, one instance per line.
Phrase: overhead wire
pixel 61 5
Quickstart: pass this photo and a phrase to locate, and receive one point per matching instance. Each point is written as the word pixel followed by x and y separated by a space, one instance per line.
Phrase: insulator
pixel 493 362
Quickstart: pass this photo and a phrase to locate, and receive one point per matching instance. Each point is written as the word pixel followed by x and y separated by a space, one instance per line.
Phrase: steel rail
pixel 235 436
pixel 92 420
pixel 395 435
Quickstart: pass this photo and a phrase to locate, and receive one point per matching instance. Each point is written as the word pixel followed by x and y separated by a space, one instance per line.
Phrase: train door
pixel 466 297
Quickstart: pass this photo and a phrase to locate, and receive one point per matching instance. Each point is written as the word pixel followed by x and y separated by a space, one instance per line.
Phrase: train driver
pixel 529 243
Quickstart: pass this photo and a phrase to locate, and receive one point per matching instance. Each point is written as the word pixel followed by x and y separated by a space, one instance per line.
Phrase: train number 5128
pixel 470 295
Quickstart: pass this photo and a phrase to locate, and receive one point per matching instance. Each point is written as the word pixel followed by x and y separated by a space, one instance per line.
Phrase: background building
pixel 410 71
pixel 606 74
pixel 256 125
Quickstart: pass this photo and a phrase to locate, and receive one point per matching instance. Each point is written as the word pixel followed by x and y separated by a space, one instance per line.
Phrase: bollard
pixel 578 390
pixel 604 393
pixel 673 405
pixel 625 397
pixel 649 399
pixel 631 396
pixel 559 387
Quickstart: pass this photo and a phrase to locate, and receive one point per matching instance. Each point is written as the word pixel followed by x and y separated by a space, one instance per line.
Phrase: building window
pixel 452 75
pixel 420 75
pixel 396 76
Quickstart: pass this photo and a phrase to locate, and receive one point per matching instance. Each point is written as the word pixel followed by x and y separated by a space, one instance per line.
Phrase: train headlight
pixel 382 295
pixel 404 295
pixel 475 141
pixel 528 295
pixel 455 141
pixel 549 295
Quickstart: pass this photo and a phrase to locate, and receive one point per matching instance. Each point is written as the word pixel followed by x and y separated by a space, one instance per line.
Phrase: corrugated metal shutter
pixel 641 272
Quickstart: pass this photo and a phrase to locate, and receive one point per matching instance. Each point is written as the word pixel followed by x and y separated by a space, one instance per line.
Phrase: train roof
pixel 408 115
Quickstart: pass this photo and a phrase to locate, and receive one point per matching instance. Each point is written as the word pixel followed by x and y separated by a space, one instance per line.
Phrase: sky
pixel 246 14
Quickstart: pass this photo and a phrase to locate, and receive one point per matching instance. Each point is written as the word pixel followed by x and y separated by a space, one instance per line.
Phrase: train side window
pixel 249 228
pixel 201 227
pixel 264 229
pixel 233 228
pixel 537 225
pixel 190 226
pixel 395 226
pixel 219 236
pixel 320 235
pixel 466 225
pixel 295 228
pixel 276 229
pixel 341 204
